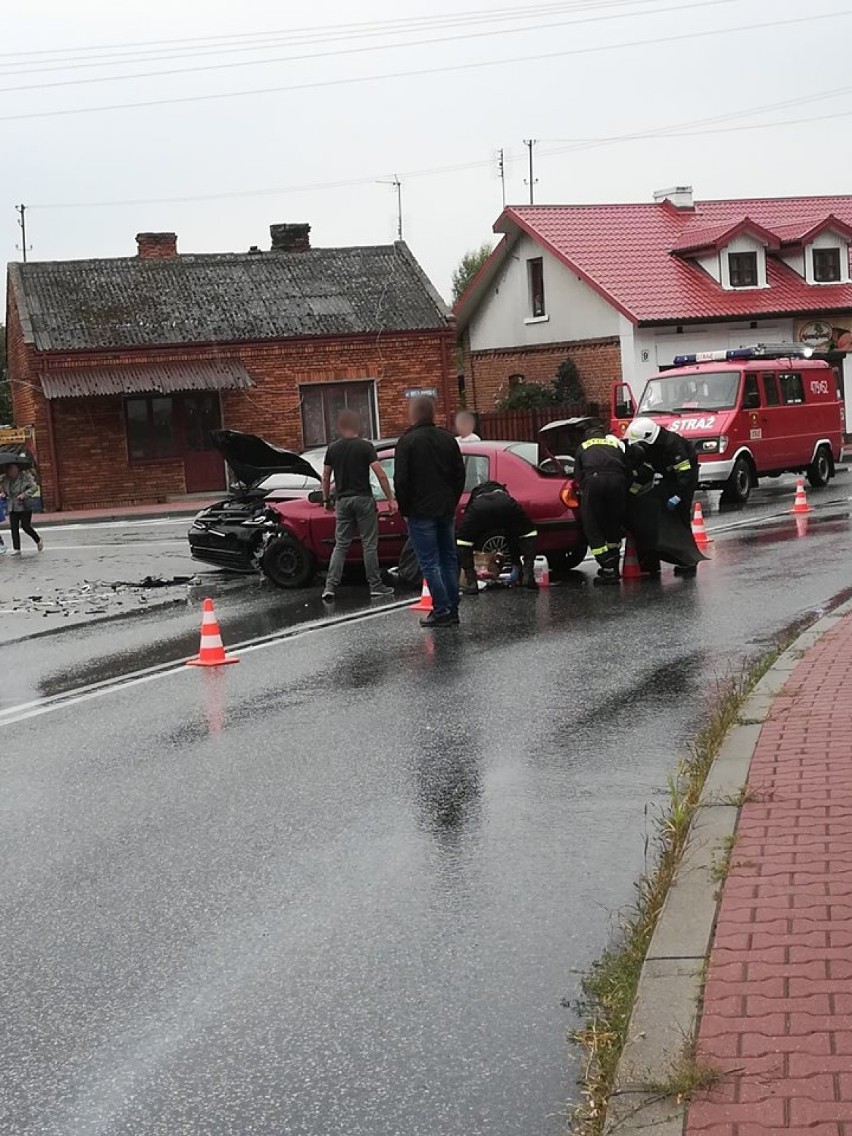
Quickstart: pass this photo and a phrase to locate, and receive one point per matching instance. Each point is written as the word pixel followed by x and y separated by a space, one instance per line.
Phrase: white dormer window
pixel 826 265
pixel 742 269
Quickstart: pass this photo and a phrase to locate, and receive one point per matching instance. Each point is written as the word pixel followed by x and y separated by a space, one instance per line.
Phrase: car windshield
pixel 716 390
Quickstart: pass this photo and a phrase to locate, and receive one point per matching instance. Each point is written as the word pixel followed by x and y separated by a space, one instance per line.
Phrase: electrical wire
pixel 336 53
pixel 441 70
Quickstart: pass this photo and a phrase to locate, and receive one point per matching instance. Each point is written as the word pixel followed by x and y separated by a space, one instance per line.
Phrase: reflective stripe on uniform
pixel 464 543
pixel 531 533
pixel 636 488
pixel 681 467
pixel 600 442
pixel 613 547
pixel 598 551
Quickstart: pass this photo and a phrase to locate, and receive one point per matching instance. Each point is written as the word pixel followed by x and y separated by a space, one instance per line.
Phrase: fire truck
pixel 750 412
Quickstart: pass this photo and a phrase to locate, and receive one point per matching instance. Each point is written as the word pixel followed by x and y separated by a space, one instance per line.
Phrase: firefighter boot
pixel 608 572
pixel 470 585
pixel 527 549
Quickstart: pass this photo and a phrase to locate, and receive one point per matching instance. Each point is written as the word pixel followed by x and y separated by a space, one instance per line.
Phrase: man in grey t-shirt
pixel 350 459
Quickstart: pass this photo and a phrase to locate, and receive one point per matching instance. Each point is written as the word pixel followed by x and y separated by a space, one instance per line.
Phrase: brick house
pixel 622 289
pixel 125 365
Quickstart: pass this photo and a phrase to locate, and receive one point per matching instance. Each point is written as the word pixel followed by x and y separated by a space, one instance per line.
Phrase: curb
pixel 50 520
pixel 665 1013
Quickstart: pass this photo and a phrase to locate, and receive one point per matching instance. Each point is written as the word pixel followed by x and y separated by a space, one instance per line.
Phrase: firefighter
pixel 672 457
pixel 492 509
pixel 603 475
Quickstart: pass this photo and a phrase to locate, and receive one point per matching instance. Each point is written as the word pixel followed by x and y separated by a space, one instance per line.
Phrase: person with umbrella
pixel 19 487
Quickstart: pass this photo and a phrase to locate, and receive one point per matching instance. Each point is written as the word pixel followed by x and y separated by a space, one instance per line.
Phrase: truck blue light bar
pixel 759 351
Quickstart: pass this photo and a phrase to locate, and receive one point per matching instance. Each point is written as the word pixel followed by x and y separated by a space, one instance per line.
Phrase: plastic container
pixel 541 571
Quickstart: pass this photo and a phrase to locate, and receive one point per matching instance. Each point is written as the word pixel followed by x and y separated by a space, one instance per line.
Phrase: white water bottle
pixel 541 571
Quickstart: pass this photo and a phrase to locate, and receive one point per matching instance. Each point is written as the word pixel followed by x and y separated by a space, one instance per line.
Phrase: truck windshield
pixel 715 390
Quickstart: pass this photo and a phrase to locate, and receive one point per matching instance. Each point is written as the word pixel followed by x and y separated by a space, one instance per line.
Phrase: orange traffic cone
pixel 425 601
pixel 800 505
pixel 699 530
pixel 212 651
pixel 630 569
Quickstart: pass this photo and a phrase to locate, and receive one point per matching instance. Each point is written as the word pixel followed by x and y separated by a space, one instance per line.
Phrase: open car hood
pixel 252 459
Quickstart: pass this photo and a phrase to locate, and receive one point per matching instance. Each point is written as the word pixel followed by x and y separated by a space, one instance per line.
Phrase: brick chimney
pixel 680 196
pixel 290 238
pixel 156 246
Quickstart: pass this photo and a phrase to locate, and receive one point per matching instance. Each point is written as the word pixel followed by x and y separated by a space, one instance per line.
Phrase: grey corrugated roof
pixel 132 302
pixel 164 378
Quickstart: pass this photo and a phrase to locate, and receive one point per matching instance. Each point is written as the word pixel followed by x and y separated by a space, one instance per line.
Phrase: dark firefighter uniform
pixel 674 458
pixel 603 475
pixel 492 509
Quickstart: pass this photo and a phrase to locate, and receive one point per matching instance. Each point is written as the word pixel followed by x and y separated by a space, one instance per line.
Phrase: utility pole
pixel 21 210
pixel 501 170
pixel 531 180
pixel 397 185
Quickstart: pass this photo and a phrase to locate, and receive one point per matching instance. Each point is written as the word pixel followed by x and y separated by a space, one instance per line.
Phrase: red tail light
pixel 569 495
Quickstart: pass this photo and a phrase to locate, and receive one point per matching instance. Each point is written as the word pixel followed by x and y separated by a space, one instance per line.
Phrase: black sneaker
pixel 445 619
pixel 381 591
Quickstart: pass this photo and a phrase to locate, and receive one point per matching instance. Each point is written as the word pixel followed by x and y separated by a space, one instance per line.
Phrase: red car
pixel 300 537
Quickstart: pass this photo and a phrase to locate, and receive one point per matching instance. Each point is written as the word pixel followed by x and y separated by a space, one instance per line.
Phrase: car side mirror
pixel 315 497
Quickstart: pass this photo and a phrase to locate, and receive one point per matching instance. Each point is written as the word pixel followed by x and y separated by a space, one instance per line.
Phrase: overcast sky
pixel 372 128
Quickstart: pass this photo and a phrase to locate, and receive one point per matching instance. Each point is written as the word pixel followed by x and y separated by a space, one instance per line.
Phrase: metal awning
pixel 160 378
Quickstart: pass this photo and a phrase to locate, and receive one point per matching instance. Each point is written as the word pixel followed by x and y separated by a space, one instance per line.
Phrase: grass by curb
pixel 609 989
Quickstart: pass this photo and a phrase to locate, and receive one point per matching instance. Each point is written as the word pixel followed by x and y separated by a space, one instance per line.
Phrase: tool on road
pixel 212 650
pixel 425 601
pixel 800 505
pixel 699 530
pixel 631 570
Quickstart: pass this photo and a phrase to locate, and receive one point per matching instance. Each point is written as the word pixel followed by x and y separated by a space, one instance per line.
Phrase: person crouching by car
pixel 603 475
pixel 350 459
pixel 492 509
pixel 429 477
pixel 672 457
pixel 19 487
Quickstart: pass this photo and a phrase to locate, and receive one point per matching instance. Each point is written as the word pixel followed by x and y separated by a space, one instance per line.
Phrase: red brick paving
pixel 777 1014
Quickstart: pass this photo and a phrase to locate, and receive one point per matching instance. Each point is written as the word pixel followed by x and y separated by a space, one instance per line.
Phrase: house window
pixel 742 269
pixel 151 428
pixel 826 265
pixel 535 270
pixel 323 402
pixel 515 380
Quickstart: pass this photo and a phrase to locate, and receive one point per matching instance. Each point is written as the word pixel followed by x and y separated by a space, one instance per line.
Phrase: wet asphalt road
pixel 345 886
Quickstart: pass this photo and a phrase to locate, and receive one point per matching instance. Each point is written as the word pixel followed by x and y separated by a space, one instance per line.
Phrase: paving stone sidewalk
pixel 777 1015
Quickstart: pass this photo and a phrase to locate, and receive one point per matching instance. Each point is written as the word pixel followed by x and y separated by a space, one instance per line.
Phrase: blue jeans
pixel 434 543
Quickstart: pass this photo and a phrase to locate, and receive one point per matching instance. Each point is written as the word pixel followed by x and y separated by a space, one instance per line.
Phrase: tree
pixel 564 388
pixel 468 267
pixel 5 389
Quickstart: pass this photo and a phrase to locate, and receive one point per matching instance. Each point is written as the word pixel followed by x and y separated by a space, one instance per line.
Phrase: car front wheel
pixel 287 563
pixel 739 485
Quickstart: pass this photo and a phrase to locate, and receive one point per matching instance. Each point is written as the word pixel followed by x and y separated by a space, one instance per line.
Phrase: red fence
pixel 524 425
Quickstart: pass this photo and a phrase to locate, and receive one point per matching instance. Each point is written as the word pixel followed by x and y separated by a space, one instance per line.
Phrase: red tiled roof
pixel 625 253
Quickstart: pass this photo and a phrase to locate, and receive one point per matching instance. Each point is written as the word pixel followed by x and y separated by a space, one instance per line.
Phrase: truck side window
pixel 751 393
pixel 792 388
pixel 770 389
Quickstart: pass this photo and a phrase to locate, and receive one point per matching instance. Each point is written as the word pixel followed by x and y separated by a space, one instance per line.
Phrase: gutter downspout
pixel 51 445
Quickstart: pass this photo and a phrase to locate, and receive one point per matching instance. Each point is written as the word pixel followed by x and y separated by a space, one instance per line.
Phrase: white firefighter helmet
pixel 643 430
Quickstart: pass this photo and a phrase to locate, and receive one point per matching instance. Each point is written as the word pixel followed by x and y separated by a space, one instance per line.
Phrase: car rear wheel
pixel 739 485
pixel 819 471
pixel 287 563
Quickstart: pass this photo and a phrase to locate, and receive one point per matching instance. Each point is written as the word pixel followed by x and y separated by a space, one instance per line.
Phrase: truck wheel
pixel 739 485
pixel 820 470
pixel 287 563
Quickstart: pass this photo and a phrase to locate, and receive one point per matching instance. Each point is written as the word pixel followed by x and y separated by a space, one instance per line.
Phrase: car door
pixel 790 412
pixel 770 423
pixel 392 531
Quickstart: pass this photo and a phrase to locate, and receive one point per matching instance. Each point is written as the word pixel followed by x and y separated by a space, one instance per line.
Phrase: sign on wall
pixel 834 333
pixel 422 392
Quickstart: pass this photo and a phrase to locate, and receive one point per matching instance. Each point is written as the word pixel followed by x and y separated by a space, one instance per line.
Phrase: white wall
pixel 573 310
pixel 648 349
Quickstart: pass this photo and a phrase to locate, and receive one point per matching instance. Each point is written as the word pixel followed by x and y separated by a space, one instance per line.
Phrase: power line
pixel 337 52
pixel 442 70
pixel 673 130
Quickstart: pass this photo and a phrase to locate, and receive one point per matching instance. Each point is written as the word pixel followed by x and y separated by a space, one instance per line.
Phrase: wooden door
pixel 204 468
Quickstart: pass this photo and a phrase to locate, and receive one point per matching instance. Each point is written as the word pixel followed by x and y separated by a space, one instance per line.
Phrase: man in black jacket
pixel 429 479
pixel 602 472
